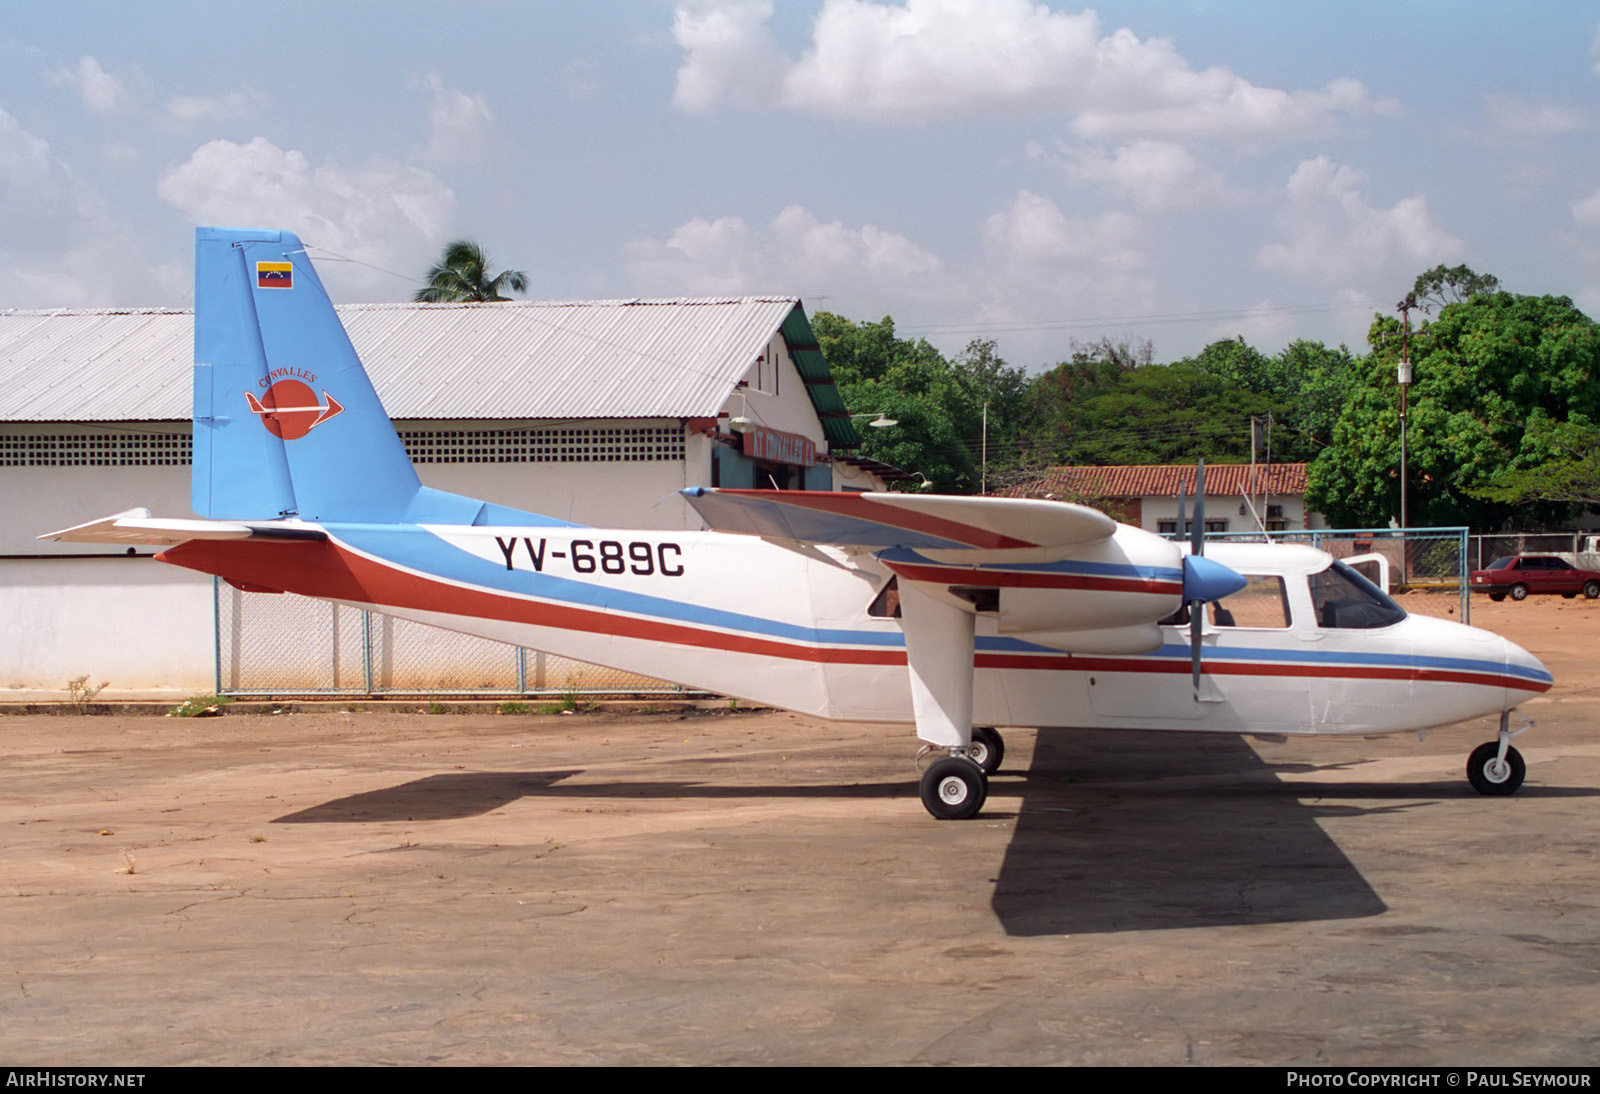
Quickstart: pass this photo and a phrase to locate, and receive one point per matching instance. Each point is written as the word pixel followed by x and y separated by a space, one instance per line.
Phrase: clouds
pixel 377 211
pixel 797 252
pixel 67 244
pixel 1161 176
pixel 101 92
pixel 460 125
pixel 61 246
pixel 928 60
pixel 1035 264
pixel 1331 234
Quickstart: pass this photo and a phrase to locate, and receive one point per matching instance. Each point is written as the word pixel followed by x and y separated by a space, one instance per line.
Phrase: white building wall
pixel 603 492
pixel 1154 510
pixel 775 396
pixel 137 624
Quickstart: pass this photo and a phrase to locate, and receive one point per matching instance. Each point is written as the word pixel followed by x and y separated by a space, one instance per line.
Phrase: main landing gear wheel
pixel 1488 775
pixel 988 750
pixel 954 788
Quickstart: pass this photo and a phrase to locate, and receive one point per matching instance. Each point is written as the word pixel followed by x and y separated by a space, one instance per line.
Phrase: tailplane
pixel 286 422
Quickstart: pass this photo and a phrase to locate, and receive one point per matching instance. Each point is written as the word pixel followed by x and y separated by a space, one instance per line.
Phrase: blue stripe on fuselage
pixel 418 549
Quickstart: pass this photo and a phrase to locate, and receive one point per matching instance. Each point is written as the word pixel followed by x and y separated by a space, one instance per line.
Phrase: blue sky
pixel 1038 174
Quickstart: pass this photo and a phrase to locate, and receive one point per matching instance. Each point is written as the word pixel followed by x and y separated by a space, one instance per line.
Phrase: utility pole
pixel 1404 376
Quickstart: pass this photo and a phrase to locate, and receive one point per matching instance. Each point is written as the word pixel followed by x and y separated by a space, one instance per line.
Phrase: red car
pixel 1520 575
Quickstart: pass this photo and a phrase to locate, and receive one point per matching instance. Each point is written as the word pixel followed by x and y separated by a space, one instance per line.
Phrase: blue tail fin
pixel 286 422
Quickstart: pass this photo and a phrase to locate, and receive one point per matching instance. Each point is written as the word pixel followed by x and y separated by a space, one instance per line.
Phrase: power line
pixel 1158 319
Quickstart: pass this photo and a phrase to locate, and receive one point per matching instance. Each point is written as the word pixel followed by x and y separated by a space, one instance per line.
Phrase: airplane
pixel 959 614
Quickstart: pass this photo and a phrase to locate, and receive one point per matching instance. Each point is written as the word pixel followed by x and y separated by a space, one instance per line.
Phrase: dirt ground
pixel 760 888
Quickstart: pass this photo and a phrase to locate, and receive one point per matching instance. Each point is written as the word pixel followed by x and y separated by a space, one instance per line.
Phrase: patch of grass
pixel 438 708
pixel 513 707
pixel 80 694
pixel 197 706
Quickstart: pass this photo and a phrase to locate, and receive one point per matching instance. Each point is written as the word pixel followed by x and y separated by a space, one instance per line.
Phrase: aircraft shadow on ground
pixel 474 793
pixel 1151 832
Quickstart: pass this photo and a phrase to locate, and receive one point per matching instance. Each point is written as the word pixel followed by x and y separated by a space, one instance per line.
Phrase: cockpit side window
pixel 1343 599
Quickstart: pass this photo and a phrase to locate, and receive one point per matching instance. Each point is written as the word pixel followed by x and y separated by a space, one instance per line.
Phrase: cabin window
pixel 1343 599
pixel 1263 602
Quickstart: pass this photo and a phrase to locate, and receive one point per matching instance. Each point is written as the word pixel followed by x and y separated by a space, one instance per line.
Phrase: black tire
pixel 1485 779
pixel 1569 596
pixel 1519 592
pixel 954 788
pixel 1591 589
pixel 988 750
pixel 1497 597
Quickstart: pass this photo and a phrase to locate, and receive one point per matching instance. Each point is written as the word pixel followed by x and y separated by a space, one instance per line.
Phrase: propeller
pixel 1203 579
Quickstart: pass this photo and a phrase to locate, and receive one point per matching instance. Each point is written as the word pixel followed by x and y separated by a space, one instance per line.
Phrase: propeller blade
pixel 1197 534
pixel 1197 613
pixel 1183 508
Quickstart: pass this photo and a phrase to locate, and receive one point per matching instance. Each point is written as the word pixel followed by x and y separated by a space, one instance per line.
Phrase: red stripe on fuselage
pixel 1214 667
pixel 325 570
pixel 330 572
pixel 855 505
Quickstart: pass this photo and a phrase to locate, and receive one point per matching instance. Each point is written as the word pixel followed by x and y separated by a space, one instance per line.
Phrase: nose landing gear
pixel 1495 768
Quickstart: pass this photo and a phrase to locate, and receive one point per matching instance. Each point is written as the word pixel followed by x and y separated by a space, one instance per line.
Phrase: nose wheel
pixel 1495 768
pixel 1489 773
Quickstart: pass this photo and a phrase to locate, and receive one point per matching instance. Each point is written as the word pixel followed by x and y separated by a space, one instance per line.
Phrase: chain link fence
pixel 1487 548
pixel 292 645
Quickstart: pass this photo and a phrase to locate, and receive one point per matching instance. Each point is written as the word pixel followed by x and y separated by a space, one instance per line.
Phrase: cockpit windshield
pixel 1343 599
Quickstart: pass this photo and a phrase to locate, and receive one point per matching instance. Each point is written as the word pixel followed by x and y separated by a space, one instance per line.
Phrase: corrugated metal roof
pixel 1163 480
pixel 517 359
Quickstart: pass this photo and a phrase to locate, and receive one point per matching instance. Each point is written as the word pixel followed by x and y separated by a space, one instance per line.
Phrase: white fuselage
pixel 791 628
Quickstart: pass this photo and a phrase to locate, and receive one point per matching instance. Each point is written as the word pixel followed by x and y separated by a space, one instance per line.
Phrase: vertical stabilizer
pixel 286 421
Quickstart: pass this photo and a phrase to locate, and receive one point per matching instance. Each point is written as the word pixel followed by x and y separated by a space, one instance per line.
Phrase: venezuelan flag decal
pixel 274 275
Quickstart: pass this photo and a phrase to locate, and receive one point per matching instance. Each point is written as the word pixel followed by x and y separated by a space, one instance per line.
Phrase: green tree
pixel 1570 473
pixel 1485 371
pixel 1304 387
pixel 463 275
pixel 938 403
pixel 1442 286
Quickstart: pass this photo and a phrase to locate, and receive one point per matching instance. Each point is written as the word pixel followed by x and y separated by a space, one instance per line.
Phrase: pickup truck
pixel 1518 575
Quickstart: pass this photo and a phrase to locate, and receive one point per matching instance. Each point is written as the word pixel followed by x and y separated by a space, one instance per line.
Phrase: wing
pixel 937 522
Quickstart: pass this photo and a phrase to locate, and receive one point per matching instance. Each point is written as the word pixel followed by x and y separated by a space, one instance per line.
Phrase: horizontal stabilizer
pixel 900 520
pixel 137 526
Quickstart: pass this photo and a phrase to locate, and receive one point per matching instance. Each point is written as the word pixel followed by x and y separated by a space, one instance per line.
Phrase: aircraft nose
pixel 1526 675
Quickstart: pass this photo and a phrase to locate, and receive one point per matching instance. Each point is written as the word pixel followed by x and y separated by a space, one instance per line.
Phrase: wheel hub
pixel 952 791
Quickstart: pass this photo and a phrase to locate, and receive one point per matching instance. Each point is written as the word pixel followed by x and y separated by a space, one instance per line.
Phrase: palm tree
pixel 463 274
